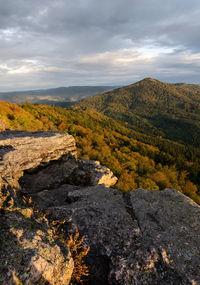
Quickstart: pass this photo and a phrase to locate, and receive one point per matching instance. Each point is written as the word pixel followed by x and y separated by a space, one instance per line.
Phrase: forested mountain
pixel 137 159
pixel 61 96
pixel 156 108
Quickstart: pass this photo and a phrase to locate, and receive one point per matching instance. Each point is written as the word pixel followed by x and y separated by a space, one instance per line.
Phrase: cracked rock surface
pixel 29 254
pixel 21 151
pixel 170 223
pixel 144 237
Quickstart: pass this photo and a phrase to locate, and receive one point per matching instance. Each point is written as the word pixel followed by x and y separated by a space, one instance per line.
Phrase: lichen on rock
pixel 29 252
pixel 142 237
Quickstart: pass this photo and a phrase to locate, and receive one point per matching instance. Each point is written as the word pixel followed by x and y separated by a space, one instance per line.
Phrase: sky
pixel 52 43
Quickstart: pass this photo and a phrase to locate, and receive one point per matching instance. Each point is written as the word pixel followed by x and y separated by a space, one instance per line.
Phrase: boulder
pixel 170 226
pixel 113 236
pixel 90 173
pixel 133 238
pixel 29 254
pixel 143 237
pixel 28 151
pixel 36 163
pixel 44 160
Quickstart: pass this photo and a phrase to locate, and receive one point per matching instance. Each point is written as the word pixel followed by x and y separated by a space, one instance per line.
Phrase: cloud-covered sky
pixel 52 43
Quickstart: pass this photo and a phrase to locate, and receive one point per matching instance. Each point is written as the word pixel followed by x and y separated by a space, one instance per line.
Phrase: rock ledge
pixel 144 237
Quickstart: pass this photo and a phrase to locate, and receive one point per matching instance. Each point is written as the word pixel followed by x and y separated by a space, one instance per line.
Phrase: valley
pixel 61 96
pixel 57 165
pixel 144 153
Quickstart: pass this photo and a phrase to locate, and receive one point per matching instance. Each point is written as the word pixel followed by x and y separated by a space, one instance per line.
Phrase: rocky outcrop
pixel 145 237
pixel 26 151
pixel 113 236
pixel 28 252
pixel 44 160
pixel 90 173
pixel 170 225
pixel 31 163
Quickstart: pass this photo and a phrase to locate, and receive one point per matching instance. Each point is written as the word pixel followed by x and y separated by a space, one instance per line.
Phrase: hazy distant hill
pixel 154 107
pixel 192 87
pixel 61 96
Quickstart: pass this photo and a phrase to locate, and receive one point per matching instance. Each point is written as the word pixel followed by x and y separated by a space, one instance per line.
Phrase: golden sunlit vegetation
pixel 78 251
pixel 54 229
pixel 155 108
pixel 137 160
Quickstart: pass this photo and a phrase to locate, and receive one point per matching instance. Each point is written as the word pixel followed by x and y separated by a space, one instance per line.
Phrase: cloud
pixel 51 43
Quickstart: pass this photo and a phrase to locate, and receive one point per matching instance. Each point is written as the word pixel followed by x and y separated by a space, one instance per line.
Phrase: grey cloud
pixel 136 20
pixel 60 35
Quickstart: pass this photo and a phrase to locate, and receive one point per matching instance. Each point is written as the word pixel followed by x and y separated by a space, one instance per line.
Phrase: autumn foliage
pixel 137 160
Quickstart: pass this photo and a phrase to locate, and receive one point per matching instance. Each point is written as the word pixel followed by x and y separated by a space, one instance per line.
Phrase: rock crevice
pixel 144 237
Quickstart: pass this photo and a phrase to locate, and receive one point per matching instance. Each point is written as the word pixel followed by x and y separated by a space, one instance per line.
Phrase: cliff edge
pixel 144 237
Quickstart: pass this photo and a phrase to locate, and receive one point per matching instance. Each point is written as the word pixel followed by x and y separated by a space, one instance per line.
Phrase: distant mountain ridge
pixel 62 96
pixel 154 107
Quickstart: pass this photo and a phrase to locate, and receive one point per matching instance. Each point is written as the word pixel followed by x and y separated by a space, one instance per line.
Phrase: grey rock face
pixel 29 254
pixel 170 225
pixel 99 213
pixel 90 173
pixel 21 151
pixel 49 176
pixel 145 237
pixel 36 163
pixel 44 160
pixel 141 238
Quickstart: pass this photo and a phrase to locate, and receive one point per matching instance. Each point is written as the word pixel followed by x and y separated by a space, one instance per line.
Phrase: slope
pixel 154 107
pixel 137 160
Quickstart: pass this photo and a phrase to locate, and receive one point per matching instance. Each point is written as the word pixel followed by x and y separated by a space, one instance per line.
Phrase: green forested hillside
pixel 167 110
pixel 138 160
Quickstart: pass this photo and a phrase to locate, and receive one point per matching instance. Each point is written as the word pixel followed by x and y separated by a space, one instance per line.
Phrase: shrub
pixel 77 249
